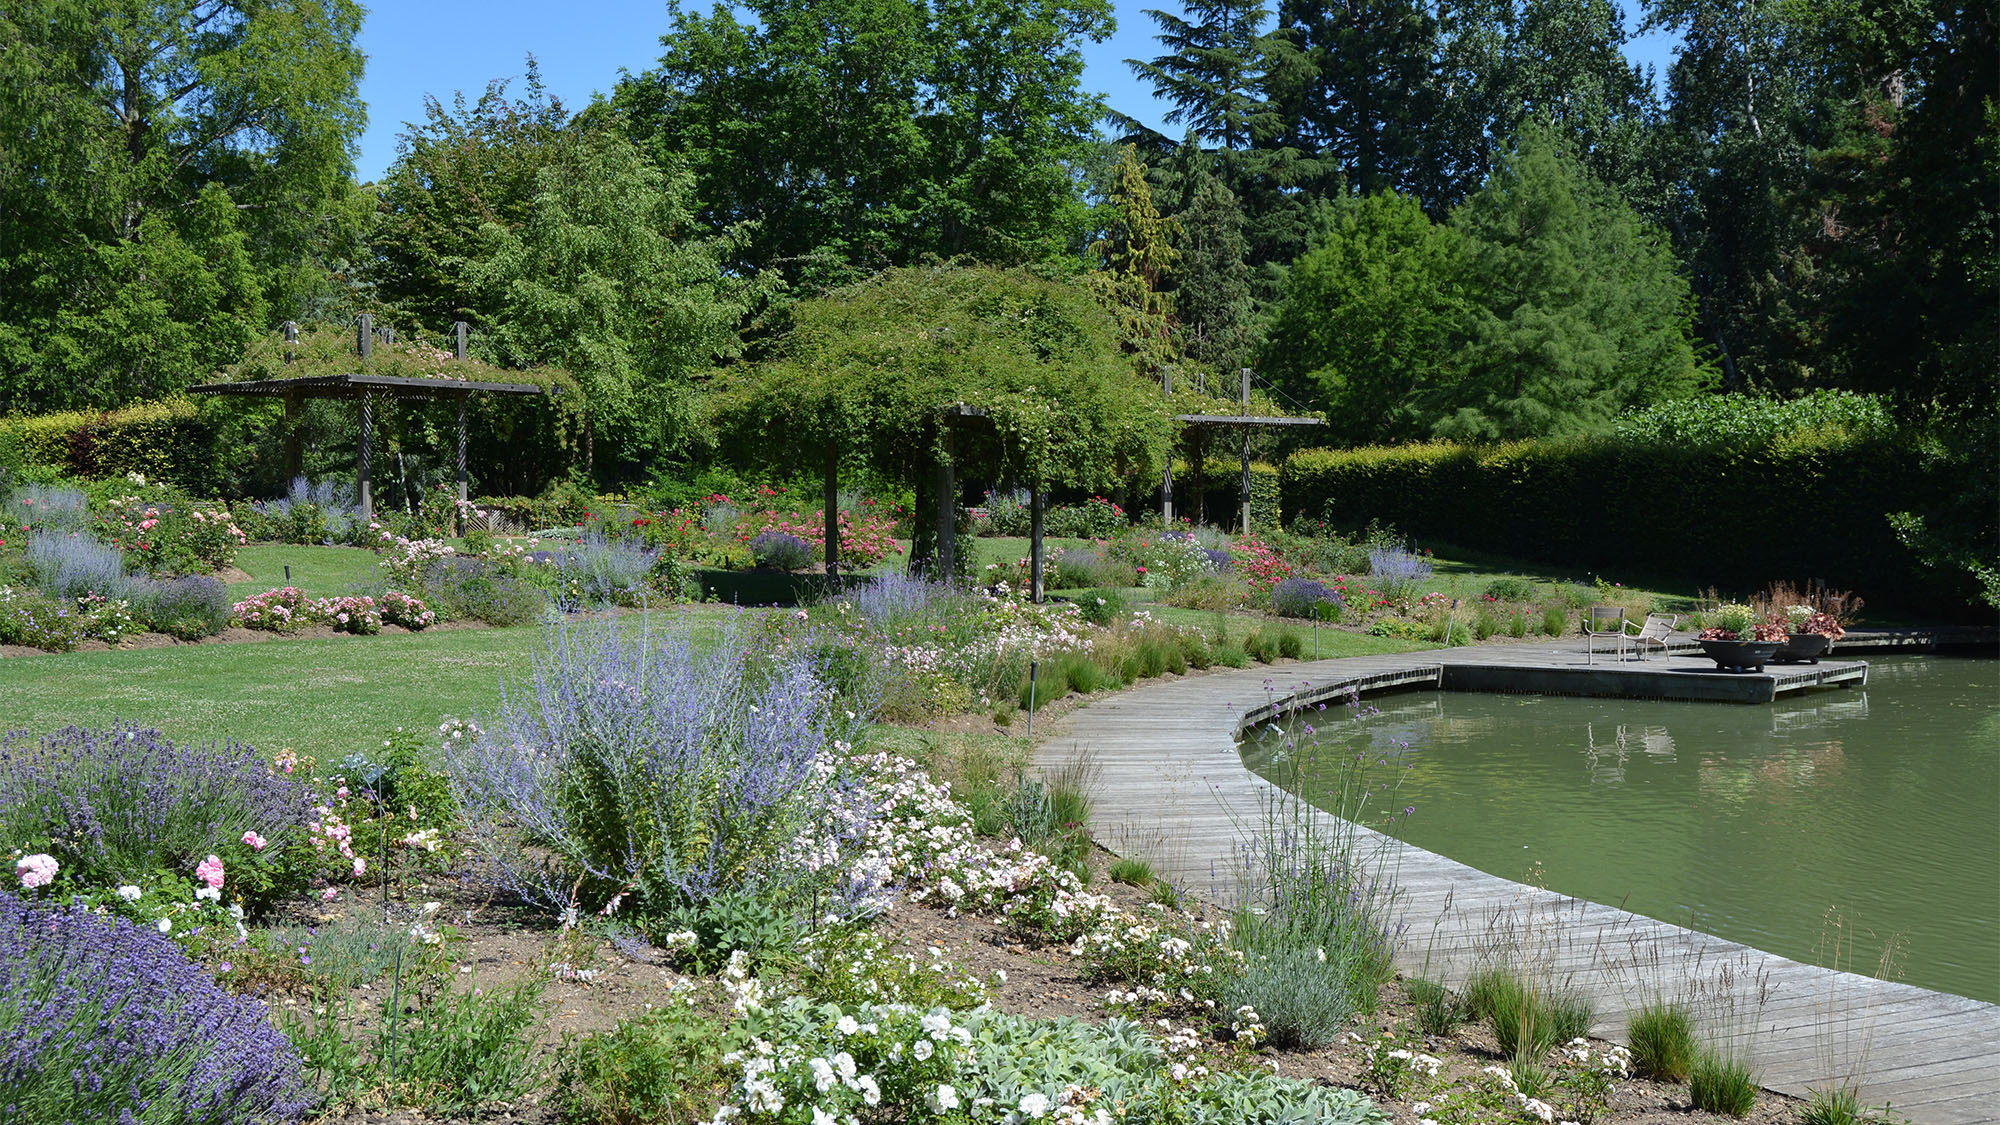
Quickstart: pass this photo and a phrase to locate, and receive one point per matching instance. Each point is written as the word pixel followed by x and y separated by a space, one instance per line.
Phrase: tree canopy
pixel 169 174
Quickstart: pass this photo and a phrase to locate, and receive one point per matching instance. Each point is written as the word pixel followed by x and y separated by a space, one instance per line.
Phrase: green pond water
pixel 1866 819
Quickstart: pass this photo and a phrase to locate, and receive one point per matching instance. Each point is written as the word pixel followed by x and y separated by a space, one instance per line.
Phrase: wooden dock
pixel 1172 789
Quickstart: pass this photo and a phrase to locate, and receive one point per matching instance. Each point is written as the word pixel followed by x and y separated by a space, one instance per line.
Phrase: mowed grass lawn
pixel 325 697
pixel 323 572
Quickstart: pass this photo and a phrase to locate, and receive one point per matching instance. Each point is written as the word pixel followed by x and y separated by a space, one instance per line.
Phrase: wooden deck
pixel 1172 789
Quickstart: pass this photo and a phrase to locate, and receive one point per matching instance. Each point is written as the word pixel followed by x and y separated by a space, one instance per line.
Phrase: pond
pixel 1836 827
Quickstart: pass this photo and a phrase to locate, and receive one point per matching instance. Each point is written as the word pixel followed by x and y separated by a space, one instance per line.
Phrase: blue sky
pixel 439 47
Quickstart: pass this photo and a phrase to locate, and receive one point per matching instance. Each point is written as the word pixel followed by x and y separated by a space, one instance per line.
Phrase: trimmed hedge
pixel 169 440
pixel 1733 518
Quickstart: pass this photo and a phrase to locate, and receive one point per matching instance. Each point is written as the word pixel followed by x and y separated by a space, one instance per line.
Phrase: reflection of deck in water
pixel 1172 788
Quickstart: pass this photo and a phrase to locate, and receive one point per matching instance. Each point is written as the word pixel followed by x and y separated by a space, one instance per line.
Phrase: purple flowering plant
pixel 652 772
pixel 125 806
pixel 107 1021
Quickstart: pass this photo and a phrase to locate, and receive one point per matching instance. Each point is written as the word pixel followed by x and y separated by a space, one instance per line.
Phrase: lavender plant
pixel 109 1022
pixel 119 805
pixel 602 571
pixel 645 767
pixel 1398 571
pixel 187 607
pixel 1301 597
pixel 781 551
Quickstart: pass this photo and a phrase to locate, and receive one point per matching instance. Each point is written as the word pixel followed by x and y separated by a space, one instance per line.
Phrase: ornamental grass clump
pixel 125 805
pixel 651 772
pixel 107 1021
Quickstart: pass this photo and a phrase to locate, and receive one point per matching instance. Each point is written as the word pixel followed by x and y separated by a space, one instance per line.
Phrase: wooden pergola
pixel 1245 422
pixel 365 388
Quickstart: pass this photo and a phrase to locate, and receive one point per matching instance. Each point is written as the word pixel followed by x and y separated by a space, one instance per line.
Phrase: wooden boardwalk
pixel 1172 789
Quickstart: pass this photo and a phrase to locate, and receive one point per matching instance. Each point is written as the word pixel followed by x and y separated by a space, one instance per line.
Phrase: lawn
pixel 323 572
pixel 324 696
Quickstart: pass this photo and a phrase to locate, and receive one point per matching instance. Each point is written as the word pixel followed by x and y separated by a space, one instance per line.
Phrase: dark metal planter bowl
pixel 1740 656
pixel 1804 648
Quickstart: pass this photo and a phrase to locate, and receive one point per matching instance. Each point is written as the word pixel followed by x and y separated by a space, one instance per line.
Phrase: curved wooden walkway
pixel 1172 789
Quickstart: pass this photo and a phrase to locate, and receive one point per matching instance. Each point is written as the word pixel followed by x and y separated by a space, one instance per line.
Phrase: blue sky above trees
pixel 443 46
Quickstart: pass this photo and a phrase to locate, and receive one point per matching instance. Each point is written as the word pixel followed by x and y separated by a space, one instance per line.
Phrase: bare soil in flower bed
pixel 505 944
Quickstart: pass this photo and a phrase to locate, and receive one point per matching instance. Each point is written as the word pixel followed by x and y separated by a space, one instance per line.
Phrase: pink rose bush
pixel 288 610
pixel 210 872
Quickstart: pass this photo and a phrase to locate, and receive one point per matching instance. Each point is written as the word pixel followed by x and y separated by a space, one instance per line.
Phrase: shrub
pixel 599 571
pixel 474 590
pixel 781 551
pixel 1661 1036
pixel 401 609
pixel 279 611
pixel 1510 589
pixel 1301 597
pixel 109 1022
pixel 649 768
pixel 68 567
pixel 1103 606
pixel 189 607
pixel 1398 571
pixel 124 804
pixel 1095 518
pixel 1722 1083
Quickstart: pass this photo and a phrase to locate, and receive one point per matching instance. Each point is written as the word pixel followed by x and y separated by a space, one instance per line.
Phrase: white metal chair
pixel 1604 623
pixel 1654 633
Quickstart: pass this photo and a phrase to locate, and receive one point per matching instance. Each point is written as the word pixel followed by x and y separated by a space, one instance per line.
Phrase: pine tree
pixel 1212 72
pixel 1133 259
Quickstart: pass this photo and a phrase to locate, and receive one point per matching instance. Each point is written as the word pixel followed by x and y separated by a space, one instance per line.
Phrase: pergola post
pixel 1245 372
pixel 364 464
pixel 463 480
pixel 1035 542
pixel 832 482
pixel 294 454
pixel 947 511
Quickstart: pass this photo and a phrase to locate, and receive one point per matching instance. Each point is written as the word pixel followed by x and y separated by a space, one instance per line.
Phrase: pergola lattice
pixel 365 388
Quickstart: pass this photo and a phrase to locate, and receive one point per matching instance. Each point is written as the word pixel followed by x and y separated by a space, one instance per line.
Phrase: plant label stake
pixel 1032 666
pixel 288 574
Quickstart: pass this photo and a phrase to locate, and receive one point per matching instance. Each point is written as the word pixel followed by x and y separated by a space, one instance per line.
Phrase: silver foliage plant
pixel 654 773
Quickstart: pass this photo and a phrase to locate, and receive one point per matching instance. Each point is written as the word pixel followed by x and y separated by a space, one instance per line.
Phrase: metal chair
pixel 1654 633
pixel 1604 622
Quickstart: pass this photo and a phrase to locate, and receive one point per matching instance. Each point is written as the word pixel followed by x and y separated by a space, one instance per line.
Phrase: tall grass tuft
pixel 1663 1042
pixel 1721 1082
pixel 1528 1018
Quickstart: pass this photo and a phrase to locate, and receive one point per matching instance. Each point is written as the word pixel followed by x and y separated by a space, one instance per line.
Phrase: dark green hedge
pixel 1732 518
pixel 172 441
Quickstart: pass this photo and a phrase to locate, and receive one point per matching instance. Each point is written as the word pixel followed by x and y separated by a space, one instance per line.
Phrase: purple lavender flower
pixel 1301 597
pixel 121 803
pixel 107 1020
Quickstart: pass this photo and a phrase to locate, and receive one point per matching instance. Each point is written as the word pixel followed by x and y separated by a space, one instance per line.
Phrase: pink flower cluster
pixel 209 871
pixel 402 609
pixel 280 611
pixel 37 870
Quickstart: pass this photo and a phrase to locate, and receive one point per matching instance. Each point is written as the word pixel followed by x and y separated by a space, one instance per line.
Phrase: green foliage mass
pixel 868 370
pixel 1545 307
pixel 171 178
pixel 862 133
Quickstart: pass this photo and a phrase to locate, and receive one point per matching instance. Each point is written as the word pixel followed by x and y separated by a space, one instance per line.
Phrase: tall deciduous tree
pixel 1371 319
pixel 164 168
pixel 604 277
pixel 854 134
